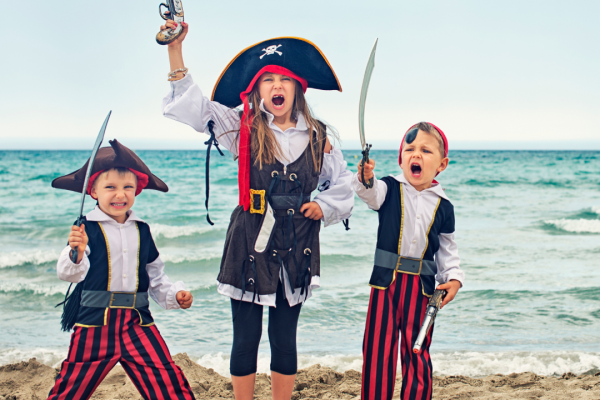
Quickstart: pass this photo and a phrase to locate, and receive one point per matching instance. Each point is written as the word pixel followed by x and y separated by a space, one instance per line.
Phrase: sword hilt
pixel 368 184
pixel 74 252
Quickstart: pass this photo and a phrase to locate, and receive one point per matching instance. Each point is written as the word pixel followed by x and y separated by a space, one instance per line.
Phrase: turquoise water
pixel 528 230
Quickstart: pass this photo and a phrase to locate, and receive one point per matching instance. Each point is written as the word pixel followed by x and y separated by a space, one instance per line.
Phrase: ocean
pixel 527 227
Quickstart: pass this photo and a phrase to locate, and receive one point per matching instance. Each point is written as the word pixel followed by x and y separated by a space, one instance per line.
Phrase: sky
pixel 504 74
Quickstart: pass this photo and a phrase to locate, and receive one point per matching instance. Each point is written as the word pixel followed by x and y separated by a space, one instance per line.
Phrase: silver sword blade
pixel 363 94
pixel 99 140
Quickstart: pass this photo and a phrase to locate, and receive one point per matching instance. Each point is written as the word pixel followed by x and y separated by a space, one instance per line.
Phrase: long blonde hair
pixel 263 143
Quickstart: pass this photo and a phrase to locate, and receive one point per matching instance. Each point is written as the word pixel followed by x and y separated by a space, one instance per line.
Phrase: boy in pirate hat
pixel 117 269
pixel 415 246
pixel 271 254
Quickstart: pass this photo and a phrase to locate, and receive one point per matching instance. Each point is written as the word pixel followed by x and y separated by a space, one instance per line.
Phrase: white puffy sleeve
pixel 448 261
pixel 161 289
pixel 336 198
pixel 375 196
pixel 186 103
pixel 69 271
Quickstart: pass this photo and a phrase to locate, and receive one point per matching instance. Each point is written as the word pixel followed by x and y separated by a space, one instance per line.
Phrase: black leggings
pixel 247 329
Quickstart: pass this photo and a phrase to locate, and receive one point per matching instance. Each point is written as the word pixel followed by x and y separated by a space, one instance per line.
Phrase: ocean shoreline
pixel 32 380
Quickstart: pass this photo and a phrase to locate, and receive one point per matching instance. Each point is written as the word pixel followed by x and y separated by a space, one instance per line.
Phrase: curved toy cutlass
pixel 175 10
pixel 361 115
pixel 99 140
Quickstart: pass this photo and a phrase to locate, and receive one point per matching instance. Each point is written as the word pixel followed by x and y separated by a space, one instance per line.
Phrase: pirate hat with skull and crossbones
pixel 295 57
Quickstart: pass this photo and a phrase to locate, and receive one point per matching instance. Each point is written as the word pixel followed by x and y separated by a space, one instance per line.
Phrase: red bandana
pixel 246 126
pixel 443 138
pixel 142 181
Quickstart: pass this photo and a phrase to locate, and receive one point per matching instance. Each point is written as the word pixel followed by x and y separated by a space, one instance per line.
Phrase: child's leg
pixel 283 324
pixel 417 372
pixel 93 352
pixel 247 330
pixel 146 359
pixel 380 346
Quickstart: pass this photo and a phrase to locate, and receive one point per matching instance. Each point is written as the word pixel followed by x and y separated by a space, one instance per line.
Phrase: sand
pixel 32 380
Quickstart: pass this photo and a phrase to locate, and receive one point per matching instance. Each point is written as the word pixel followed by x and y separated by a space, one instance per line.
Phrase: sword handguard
pixel 365 159
pixel 433 307
pixel 175 9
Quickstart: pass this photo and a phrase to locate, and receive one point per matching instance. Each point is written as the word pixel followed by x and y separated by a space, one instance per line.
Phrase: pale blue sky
pixel 517 71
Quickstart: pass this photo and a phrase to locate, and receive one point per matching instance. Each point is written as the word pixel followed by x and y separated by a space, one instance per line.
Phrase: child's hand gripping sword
pixel 361 116
pixel 175 13
pixel 87 178
pixel 432 308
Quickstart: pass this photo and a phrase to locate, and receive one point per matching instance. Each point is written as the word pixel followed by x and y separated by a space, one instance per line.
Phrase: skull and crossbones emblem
pixel 271 50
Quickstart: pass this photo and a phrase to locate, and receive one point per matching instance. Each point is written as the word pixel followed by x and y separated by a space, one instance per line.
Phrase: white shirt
pixel 123 244
pixel 419 208
pixel 186 103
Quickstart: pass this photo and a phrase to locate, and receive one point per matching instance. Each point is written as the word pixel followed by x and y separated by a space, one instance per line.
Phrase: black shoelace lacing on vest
pixel 210 142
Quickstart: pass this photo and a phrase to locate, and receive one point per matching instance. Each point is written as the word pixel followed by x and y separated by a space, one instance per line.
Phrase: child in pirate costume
pixel 415 246
pixel 271 254
pixel 118 267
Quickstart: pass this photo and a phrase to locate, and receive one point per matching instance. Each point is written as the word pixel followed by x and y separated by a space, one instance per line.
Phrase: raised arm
pixel 186 103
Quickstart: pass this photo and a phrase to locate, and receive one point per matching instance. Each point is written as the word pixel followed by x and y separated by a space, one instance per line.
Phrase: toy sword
pixel 175 10
pixel 87 178
pixel 432 308
pixel 361 115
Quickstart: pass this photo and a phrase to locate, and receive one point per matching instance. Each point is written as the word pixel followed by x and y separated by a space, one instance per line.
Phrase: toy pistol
pixel 175 10
pixel 432 308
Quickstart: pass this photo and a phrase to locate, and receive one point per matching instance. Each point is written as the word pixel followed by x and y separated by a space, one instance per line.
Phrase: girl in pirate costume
pixel 117 269
pixel 271 254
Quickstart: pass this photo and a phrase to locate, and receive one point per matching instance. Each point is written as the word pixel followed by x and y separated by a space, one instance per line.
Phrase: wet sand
pixel 32 380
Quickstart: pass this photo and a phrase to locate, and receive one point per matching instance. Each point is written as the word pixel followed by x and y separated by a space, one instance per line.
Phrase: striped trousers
pixel 397 311
pixel 142 352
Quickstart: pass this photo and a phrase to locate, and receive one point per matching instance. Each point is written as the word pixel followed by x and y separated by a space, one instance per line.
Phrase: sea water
pixel 527 228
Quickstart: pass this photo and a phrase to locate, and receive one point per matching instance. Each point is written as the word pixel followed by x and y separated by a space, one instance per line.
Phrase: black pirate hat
pixel 297 55
pixel 114 156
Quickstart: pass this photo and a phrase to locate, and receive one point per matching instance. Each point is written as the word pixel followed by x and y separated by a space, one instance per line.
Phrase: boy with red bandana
pixel 415 247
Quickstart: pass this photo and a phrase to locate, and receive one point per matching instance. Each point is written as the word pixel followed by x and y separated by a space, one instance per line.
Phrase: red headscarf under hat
pixel 441 134
pixel 142 181
pixel 246 126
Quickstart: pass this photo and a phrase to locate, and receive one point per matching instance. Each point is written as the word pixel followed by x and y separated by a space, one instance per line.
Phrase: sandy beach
pixel 32 380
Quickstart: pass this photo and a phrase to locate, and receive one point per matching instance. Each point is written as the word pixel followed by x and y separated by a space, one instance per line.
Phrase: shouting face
pixel 278 92
pixel 422 160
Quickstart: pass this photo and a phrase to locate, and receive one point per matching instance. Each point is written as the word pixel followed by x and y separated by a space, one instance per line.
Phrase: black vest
pixel 244 268
pixel 388 235
pixel 98 276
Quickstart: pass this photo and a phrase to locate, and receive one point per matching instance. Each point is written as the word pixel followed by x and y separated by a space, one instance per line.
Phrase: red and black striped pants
pixel 396 311
pixel 142 352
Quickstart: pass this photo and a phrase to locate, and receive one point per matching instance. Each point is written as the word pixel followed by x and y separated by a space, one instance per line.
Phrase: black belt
pixel 285 201
pixel 414 266
pixel 105 299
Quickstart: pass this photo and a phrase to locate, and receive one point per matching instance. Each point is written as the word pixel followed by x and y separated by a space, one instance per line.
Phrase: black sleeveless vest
pixel 98 276
pixel 389 235
pixel 295 241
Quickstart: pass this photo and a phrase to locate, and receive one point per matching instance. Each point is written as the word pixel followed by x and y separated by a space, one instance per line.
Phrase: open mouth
pixel 415 169
pixel 118 205
pixel 278 101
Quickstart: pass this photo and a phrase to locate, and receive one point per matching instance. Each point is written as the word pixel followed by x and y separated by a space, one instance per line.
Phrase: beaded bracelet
pixel 173 74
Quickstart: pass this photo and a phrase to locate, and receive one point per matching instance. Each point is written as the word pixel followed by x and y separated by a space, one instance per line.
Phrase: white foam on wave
pixel 35 257
pixel 51 357
pixel 171 232
pixel 576 225
pixel 36 288
pixel 542 363
pixel 474 364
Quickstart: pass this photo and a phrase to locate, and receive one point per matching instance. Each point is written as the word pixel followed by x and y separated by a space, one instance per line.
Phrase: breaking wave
pixel 574 225
pixel 171 232
pixel 36 257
